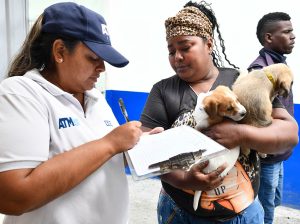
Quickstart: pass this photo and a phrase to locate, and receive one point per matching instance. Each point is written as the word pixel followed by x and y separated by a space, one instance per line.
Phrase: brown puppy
pixel 257 89
pixel 211 108
pixel 214 106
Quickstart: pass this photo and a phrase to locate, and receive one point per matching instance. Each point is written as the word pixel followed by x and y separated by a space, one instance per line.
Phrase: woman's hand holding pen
pixel 124 137
pixel 127 135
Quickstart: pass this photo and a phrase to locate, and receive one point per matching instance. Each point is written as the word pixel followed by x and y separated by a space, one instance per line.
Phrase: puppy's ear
pixel 211 107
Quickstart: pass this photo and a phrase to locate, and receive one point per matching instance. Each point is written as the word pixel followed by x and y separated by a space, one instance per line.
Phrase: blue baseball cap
pixel 76 21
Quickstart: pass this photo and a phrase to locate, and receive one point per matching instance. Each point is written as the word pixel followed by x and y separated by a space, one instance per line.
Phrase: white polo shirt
pixel 37 121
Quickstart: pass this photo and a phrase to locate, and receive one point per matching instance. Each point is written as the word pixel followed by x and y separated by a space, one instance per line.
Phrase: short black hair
pixel 265 23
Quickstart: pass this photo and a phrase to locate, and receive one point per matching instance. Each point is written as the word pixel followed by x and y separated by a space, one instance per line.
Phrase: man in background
pixel 275 33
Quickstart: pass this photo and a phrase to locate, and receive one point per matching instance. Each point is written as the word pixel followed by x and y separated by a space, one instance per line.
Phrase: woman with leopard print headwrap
pixel 195 58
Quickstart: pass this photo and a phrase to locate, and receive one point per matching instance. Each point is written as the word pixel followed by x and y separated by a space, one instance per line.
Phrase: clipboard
pixel 179 142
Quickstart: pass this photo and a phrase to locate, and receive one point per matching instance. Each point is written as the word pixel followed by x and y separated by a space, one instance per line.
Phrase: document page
pixel 159 147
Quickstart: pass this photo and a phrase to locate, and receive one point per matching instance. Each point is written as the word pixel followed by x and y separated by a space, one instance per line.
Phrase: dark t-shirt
pixel 169 99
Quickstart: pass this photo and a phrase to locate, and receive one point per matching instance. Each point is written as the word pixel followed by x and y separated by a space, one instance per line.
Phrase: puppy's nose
pixel 286 93
pixel 243 113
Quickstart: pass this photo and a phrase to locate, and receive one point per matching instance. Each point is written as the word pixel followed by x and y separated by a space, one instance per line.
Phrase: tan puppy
pixel 257 89
pixel 212 108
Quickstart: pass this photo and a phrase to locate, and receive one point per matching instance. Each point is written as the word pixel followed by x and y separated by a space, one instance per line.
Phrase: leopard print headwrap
pixel 189 21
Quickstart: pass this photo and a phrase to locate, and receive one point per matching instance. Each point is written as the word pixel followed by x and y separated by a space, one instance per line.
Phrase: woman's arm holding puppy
pixel 279 137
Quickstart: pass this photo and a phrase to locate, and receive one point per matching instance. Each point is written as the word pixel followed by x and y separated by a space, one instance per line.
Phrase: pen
pixel 123 109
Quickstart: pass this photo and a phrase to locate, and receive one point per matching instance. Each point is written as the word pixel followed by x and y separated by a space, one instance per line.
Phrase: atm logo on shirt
pixel 108 123
pixel 66 122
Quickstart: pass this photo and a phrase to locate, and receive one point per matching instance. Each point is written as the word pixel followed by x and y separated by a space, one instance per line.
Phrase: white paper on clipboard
pixel 162 146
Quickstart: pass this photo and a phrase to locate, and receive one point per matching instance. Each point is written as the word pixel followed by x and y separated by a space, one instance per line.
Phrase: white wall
pixel 13 30
pixel 137 30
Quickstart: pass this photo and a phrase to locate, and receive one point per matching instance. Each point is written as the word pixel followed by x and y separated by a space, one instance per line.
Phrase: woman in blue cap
pixel 60 151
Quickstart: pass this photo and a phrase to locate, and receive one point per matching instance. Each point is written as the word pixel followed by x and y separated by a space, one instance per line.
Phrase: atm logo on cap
pixel 66 122
pixel 104 30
